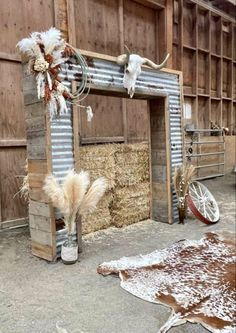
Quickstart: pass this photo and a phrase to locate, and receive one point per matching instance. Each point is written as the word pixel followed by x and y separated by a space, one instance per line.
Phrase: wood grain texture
pixel 97 26
pixel 12 161
pixel 12 124
pixel 15 27
pixel 43 251
pixel 160 161
pixel 140 29
pixel 107 120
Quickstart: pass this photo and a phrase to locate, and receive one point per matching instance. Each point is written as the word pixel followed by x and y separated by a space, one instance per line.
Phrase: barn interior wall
pixel 14 26
pixel 193 35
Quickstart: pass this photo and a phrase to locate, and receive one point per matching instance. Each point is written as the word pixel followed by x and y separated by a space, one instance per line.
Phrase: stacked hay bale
pixel 131 201
pixel 99 161
pixel 126 166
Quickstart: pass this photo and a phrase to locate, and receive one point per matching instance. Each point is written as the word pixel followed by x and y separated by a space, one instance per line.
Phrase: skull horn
pixel 153 65
pixel 123 59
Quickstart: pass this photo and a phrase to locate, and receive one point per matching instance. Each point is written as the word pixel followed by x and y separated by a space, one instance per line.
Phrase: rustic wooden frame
pixel 41 213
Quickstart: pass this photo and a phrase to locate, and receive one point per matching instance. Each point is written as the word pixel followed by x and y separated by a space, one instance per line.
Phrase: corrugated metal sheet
pixel 106 74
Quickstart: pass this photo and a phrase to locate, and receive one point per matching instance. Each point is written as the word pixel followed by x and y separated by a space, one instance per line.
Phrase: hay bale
pixel 101 218
pixel 130 204
pixel 98 160
pixel 132 164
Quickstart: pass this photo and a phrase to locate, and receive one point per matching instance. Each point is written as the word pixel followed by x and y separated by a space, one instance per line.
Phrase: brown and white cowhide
pixel 196 278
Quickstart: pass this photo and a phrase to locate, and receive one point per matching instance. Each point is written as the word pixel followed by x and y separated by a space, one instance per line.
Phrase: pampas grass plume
pixel 75 186
pixel 56 194
pixel 94 194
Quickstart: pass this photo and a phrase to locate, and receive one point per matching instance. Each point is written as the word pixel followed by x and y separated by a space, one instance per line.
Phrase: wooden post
pixel 41 213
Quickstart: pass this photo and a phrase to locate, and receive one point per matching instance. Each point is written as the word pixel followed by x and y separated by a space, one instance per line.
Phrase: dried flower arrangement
pixel 74 197
pixel 181 179
pixel 46 52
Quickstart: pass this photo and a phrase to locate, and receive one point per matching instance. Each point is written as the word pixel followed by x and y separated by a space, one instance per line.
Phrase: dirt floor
pixel 35 294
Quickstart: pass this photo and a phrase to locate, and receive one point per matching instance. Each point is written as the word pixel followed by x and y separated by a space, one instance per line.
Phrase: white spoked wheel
pixel 202 203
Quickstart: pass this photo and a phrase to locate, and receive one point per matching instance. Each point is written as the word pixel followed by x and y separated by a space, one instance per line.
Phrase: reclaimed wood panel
pixel 97 26
pixel 159 161
pixel 12 162
pixel 203 29
pixel 107 120
pixel 15 27
pixel 203 112
pixel 140 29
pixel 137 120
pixel 203 73
pixel 189 24
pixel 189 68
pixel 12 124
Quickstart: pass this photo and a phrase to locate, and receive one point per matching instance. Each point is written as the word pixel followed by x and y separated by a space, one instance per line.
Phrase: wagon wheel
pixel 202 203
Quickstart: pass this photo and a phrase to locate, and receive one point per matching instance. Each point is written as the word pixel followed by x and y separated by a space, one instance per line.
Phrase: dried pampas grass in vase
pixel 74 197
pixel 182 178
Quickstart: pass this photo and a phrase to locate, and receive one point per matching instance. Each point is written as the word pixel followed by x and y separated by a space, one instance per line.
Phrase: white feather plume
pixel 29 47
pixel 50 39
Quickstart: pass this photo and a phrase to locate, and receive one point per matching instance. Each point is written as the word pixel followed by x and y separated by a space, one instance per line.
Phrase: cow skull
pixel 133 63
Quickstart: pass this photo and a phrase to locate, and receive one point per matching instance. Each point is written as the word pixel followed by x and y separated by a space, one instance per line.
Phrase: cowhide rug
pixel 195 278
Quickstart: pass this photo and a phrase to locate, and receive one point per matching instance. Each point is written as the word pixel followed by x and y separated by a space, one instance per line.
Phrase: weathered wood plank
pixel 40 222
pixel 41 237
pixel 37 194
pixel 39 208
pixel 159 173
pixel 42 251
pixel 159 191
pixel 37 166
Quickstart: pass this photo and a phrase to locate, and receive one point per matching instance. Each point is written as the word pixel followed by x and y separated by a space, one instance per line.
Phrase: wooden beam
pixel 10 224
pixel 102 139
pixel 121 39
pixel 12 143
pixel 71 22
pixel 169 31
pixel 204 5
pixel 60 14
pixel 10 57
pixel 155 4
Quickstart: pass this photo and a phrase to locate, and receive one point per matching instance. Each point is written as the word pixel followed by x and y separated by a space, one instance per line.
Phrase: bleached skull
pixel 133 63
pixel 132 72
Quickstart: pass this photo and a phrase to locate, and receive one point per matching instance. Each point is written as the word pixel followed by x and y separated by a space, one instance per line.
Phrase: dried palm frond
pixel 94 194
pixel 182 177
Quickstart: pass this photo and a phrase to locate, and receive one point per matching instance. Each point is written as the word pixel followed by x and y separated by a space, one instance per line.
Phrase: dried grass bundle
pixel 73 195
pixel 182 177
pixel 24 189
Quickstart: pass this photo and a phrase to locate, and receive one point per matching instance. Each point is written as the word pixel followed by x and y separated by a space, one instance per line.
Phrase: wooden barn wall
pixel 15 23
pixel 204 49
pixel 200 42
pixel 104 26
